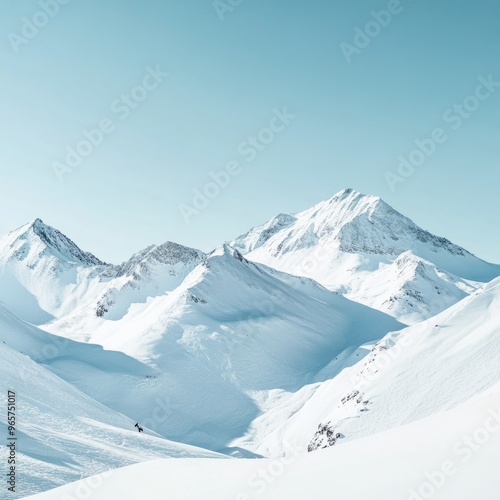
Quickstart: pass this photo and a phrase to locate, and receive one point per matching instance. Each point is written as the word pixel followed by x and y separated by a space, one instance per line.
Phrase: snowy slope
pixel 230 334
pixel 353 241
pixel 403 463
pixel 62 434
pixel 412 374
pixel 114 376
pixel 419 288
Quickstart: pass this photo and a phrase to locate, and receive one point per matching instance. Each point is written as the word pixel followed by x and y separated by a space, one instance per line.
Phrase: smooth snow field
pixel 450 456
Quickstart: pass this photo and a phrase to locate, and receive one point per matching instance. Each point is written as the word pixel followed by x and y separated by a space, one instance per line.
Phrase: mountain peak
pixel 351 231
pixel 36 225
pixel 353 200
pixel 224 257
pixel 226 250
pixel 344 193
pixel 37 232
pixel 166 254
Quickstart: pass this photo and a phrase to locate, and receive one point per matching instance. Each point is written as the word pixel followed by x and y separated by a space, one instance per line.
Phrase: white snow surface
pixel 426 459
pixel 62 434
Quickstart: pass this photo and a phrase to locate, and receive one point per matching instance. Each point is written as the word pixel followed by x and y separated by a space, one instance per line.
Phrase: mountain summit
pixel 353 238
pixel 38 267
pixel 39 237
pixel 352 222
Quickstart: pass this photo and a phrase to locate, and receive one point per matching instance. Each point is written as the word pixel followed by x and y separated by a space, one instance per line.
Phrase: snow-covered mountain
pixel 223 341
pixel 418 289
pixel 154 271
pixel 44 276
pixel 360 246
pixel 286 337
pixel 200 324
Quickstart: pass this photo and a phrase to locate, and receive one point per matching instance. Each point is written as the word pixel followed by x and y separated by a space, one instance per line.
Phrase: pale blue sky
pixel 353 120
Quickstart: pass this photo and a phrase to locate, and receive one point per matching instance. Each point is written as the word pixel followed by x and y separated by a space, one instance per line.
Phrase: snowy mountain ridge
pixel 167 253
pixel 357 245
pixel 353 244
pixel 358 223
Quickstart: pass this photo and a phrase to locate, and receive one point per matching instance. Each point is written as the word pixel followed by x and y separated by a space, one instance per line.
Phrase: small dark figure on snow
pixel 139 428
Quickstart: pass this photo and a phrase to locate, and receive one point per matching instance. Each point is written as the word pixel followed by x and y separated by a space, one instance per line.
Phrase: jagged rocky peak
pixel 281 220
pixel 277 223
pixel 352 223
pixel 409 259
pixel 366 224
pixel 168 253
pixel 55 241
pixel 171 253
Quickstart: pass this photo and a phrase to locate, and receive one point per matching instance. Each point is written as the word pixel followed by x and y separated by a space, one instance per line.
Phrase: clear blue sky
pixel 353 120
